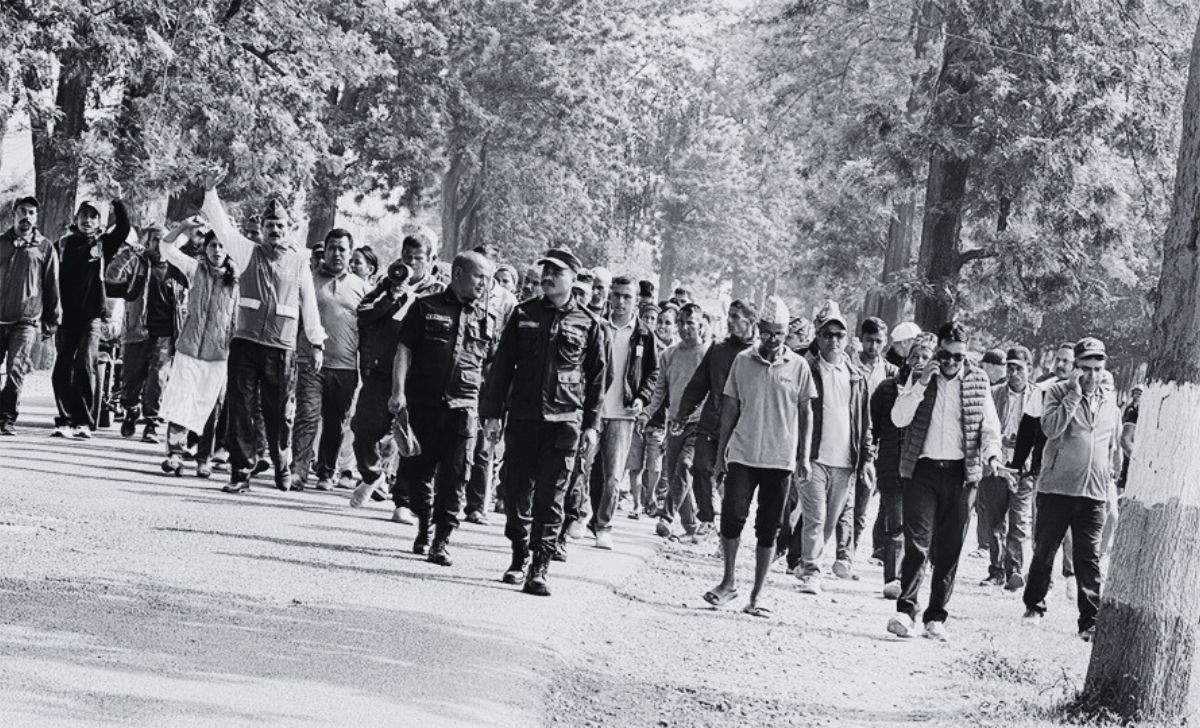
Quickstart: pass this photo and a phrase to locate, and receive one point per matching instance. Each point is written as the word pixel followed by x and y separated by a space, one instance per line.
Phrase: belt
pixel 942 464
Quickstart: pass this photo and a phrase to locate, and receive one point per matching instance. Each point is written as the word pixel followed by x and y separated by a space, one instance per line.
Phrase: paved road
pixel 134 598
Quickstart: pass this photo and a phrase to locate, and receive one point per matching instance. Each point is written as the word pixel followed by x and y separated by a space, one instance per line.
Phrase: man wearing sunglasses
pixel 952 440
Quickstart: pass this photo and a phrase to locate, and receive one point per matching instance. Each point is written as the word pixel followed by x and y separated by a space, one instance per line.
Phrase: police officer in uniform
pixel 548 375
pixel 444 341
pixel 275 297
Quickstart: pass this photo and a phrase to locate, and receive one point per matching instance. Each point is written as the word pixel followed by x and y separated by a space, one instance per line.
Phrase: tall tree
pixel 1147 636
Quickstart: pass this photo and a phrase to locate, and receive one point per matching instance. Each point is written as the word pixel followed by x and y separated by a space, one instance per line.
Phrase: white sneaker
pixel 403 515
pixel 891 590
pixel 83 433
pixel 810 584
pixel 901 625
pixel 937 631
pixel 841 569
pixel 61 431
pixel 325 484
pixel 604 540
pixel 576 530
pixel 361 493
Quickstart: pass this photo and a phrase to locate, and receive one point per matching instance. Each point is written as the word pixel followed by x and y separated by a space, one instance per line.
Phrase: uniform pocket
pixel 570 346
pixel 568 390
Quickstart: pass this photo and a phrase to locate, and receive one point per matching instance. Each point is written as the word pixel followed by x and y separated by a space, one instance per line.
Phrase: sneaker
pixel 891 590
pixel 61 431
pixel 204 469
pixel 875 561
pixel 325 484
pixel 82 433
pixel 438 554
pixel 286 481
pixel 704 530
pixel 361 493
pixel 7 429
pixel 604 540
pixel 150 435
pixel 237 486
pixel 663 528
pixel 810 584
pixel 791 570
pixel 260 467
pixel 936 631
pixel 1016 582
pixel 576 530
pixel 1034 614
pixel 901 625
pixel 173 465
pixel 129 424
pixel 979 554
pixel 842 569
pixel 346 481
pixel 1088 634
pixel 477 517
pixel 220 457
pixel 993 581
pixel 632 515
pixel 403 515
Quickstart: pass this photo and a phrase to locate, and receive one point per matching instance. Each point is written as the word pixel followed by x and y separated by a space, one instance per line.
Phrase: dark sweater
pixel 887 436
pixel 81 269
pixel 708 384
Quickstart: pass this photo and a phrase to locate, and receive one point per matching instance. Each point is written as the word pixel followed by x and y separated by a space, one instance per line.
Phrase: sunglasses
pixel 950 356
pixel 833 335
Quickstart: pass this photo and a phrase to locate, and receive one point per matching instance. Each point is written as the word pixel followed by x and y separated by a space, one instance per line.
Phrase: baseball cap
pixel 28 201
pixel 1090 347
pixel 905 331
pixel 561 258
pixel 829 313
pixel 88 205
pixel 994 356
pixel 1018 355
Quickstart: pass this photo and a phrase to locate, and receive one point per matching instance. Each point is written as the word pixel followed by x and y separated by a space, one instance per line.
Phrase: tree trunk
pixel 890 305
pixel 667 265
pixel 55 150
pixel 322 206
pixel 1142 660
pixel 460 207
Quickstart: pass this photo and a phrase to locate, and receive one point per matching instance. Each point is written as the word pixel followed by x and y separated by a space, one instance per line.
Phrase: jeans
pixel 891 520
pixel 323 402
pixel 435 479
pixel 937 514
pixel 145 366
pixel 822 498
pixel 74 375
pixel 740 483
pixel 16 346
pixel 1006 515
pixel 853 520
pixel 646 455
pixel 611 456
pixel 704 473
pixel 264 375
pixel 535 476
pixel 1084 518
pixel 679 457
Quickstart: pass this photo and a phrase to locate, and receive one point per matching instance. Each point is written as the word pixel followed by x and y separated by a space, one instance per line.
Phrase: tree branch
pixel 265 57
pixel 977 254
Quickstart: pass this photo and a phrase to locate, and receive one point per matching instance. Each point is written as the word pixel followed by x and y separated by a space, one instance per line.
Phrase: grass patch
pixel 991 664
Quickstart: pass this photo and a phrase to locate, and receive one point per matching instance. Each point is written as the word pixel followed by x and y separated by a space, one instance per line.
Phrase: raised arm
pixel 115 238
pixel 171 253
pixel 237 245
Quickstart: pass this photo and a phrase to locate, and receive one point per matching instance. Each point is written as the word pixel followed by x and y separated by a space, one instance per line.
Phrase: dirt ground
pixel 135 599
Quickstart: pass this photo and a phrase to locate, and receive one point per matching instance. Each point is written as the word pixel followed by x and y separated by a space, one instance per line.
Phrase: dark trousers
pixel 16 346
pixel 1084 517
pixel 937 514
pixel 371 423
pixel 891 521
pixel 145 368
pixel 74 375
pixel 1006 515
pixel 323 400
pixel 538 461
pixel 740 483
pixel 679 458
pixel 434 479
pixel 266 375
pixel 481 481
pixel 704 473
pixel 853 520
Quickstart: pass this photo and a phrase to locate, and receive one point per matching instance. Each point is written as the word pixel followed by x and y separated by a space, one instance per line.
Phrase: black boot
pixel 516 570
pixel 438 554
pixel 129 425
pixel 535 582
pixel 422 541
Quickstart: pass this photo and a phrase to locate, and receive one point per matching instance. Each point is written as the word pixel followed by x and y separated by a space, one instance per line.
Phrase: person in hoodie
pixel 29 304
pixel 192 400
pixel 275 298
pixel 1082 457
pixel 152 321
pixel 82 254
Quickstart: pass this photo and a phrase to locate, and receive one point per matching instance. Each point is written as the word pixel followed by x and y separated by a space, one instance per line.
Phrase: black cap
pixel 27 201
pixel 1019 355
pixel 646 289
pixel 561 258
pixel 994 356
pixel 88 205
pixel 1090 348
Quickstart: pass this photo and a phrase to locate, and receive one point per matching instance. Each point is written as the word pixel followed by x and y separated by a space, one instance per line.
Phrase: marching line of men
pixel 586 386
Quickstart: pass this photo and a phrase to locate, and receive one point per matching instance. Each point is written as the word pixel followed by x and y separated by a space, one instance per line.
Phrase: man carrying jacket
pixel 548 377
pixel 1078 479
pixel 29 304
pixel 275 297
pixel 82 254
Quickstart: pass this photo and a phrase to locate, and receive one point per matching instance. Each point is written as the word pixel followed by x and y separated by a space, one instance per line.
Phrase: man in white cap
pixel 902 338
pixel 765 438
pixel 275 297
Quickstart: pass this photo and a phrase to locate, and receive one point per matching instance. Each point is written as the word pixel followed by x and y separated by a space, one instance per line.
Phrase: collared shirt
pixel 338 298
pixel 944 441
pixel 619 339
pixel 874 373
pixel 450 339
pixel 769 397
pixel 835 414
pixel 1013 412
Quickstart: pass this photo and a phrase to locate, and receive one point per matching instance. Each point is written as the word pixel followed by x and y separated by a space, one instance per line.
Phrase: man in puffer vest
pixel 951 441
pixel 275 295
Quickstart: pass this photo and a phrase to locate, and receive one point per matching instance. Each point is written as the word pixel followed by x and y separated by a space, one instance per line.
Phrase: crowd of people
pixel 560 396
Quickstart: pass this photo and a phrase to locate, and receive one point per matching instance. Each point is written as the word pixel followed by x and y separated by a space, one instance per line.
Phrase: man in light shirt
pixel 952 439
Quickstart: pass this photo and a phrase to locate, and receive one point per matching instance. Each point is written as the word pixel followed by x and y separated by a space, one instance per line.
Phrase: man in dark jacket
pixel 29 302
pixel 704 390
pixel 82 255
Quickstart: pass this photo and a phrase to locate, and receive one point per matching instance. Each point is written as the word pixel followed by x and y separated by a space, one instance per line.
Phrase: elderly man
pixel 1077 482
pixel 275 297
pixel 29 304
pixel 952 439
pixel 765 438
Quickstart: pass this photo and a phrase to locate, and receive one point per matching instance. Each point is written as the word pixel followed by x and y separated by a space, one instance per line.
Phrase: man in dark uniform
pixel 444 341
pixel 548 374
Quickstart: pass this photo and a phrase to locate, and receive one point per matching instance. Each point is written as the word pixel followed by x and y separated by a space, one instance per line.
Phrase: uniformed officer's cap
pixel 561 258
pixel 275 210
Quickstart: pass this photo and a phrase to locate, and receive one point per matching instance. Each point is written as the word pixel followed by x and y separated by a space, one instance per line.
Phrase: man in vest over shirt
pixel 952 440
pixel 276 295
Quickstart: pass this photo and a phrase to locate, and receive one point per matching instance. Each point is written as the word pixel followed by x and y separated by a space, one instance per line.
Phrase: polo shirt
pixel 338 297
pixel 769 396
pixel 835 415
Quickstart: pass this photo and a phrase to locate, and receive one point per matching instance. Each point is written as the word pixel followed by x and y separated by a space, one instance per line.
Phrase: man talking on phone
pixel 952 440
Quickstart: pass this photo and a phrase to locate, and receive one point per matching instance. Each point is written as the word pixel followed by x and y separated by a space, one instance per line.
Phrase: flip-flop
pixel 758 610
pixel 718 601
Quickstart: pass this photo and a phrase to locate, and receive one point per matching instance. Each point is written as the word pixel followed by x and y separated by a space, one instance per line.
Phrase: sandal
pixel 758 610
pixel 719 601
